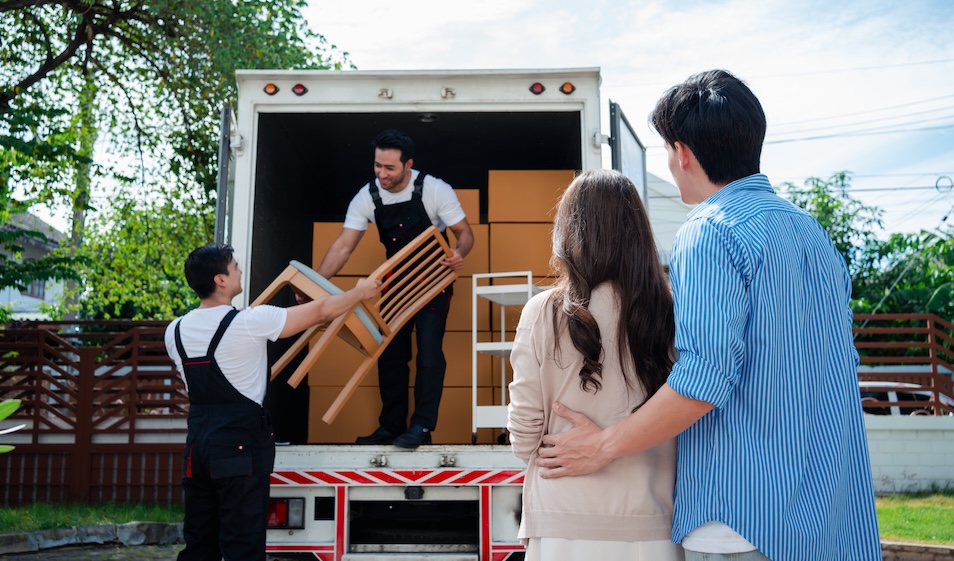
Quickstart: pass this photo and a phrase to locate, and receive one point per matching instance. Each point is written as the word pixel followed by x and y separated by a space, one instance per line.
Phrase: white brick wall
pixel 911 453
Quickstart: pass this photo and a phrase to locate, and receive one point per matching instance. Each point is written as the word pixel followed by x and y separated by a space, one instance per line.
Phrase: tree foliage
pixel 147 80
pixel 852 225
pixel 905 273
pixel 137 250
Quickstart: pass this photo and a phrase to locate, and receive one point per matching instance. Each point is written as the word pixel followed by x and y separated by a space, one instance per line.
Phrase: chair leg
pixel 275 286
pixel 317 349
pixel 350 387
pixel 292 351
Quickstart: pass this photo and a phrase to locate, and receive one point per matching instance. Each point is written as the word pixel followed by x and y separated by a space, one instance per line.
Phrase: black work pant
pixel 394 370
pixel 226 501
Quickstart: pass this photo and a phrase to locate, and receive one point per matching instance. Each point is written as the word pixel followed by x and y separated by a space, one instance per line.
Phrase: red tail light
pixel 286 513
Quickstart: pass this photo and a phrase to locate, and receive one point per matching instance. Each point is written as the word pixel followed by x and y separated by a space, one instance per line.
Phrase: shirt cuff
pixel 694 378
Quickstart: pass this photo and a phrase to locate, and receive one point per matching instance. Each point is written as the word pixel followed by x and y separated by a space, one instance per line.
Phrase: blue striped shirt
pixel 763 331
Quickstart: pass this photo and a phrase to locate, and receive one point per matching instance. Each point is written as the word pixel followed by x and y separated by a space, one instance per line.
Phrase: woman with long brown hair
pixel 600 342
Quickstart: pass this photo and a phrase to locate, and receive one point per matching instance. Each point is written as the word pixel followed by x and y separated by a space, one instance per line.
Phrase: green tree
pixel 917 276
pixel 148 80
pixel 852 225
pixel 135 275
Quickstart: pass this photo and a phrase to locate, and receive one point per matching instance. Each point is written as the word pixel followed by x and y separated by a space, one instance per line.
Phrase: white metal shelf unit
pixel 503 295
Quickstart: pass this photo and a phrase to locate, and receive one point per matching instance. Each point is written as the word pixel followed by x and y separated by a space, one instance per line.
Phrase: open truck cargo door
pixel 628 153
pixel 226 176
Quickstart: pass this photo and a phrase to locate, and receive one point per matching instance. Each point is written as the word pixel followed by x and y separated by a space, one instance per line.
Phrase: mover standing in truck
pixel 403 202
pixel 230 449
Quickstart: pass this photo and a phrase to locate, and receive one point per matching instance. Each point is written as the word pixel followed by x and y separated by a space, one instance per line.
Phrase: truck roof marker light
pixel 537 88
pixel 299 89
pixel 270 89
pixel 567 88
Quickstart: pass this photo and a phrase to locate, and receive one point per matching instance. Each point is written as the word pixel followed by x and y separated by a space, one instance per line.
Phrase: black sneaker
pixel 414 437
pixel 380 436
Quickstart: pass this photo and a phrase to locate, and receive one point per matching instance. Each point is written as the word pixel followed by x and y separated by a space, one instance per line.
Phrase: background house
pixel 25 304
pixel 667 213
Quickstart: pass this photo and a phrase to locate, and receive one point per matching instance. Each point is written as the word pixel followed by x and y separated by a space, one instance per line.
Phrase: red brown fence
pixel 906 363
pixel 106 411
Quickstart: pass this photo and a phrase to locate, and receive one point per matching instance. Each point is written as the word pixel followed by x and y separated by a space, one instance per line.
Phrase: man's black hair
pixel 394 139
pixel 203 264
pixel 717 117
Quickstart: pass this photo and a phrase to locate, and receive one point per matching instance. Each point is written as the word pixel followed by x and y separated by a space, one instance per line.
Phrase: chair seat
pixel 330 288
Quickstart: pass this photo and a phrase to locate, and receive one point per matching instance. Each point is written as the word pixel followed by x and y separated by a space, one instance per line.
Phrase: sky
pixel 864 86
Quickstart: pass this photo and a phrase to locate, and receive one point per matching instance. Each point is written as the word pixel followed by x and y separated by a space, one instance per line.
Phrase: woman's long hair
pixel 601 235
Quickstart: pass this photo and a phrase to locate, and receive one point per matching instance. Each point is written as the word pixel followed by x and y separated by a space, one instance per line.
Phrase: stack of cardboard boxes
pixel 515 237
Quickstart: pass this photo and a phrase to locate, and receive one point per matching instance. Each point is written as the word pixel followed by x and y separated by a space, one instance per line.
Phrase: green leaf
pixel 7 407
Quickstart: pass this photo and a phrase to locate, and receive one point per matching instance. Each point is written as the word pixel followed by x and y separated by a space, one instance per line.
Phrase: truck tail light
pixel 567 88
pixel 537 88
pixel 286 513
pixel 299 89
pixel 271 89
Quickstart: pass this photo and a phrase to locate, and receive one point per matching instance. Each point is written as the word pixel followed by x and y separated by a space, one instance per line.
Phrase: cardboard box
pixel 470 203
pixel 478 260
pixel 460 317
pixel 521 247
pixel 359 416
pixel 454 419
pixel 340 361
pixel 337 364
pixel 457 353
pixel 366 257
pixel 525 195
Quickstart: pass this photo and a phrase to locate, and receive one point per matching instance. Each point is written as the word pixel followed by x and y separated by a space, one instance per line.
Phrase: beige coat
pixel 628 500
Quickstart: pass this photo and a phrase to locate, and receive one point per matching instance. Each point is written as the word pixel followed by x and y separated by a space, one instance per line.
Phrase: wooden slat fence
pixel 106 411
pixel 906 363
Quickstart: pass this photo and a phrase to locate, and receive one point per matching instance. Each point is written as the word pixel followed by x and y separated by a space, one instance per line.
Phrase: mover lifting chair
pixel 410 279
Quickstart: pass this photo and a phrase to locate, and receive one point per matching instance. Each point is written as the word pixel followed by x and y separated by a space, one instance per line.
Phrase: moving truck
pixel 508 141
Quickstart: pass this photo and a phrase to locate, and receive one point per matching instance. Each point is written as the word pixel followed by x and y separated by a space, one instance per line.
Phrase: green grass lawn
pixel 43 516
pixel 920 518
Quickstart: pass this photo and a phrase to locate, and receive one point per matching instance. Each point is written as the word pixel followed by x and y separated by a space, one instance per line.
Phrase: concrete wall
pixel 911 453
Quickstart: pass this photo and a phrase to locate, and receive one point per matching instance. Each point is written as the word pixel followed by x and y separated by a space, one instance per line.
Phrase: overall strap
pixel 375 195
pixel 223 325
pixel 419 186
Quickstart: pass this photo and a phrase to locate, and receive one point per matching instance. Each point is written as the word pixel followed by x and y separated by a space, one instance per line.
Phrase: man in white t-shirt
pixel 404 202
pixel 230 449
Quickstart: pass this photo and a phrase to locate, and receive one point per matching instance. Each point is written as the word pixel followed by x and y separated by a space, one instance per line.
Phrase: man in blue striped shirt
pixel 773 458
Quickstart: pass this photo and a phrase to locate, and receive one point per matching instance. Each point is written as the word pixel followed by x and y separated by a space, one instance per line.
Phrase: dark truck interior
pixel 309 165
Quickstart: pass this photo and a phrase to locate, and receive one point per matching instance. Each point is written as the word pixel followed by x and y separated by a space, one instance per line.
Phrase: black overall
pixel 229 456
pixel 398 224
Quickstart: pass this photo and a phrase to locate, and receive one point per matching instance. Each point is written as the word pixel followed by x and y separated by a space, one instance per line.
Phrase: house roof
pixel 26 221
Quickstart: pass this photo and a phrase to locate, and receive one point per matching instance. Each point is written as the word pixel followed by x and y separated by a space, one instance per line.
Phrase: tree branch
pixel 48 66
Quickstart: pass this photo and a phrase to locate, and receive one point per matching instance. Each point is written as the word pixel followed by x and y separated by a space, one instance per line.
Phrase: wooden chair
pixel 409 280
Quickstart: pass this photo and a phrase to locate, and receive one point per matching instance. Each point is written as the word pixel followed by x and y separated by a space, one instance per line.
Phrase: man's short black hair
pixel 394 139
pixel 717 117
pixel 203 264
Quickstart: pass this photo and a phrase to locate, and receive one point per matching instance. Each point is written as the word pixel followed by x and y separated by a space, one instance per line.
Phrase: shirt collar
pixel 754 182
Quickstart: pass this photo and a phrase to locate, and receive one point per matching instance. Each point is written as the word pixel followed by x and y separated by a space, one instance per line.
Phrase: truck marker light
pixel 567 88
pixel 286 513
pixel 537 88
pixel 299 89
pixel 270 89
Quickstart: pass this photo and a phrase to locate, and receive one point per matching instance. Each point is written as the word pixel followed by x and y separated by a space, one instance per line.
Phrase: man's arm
pixel 325 309
pixel 586 449
pixel 465 242
pixel 339 252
